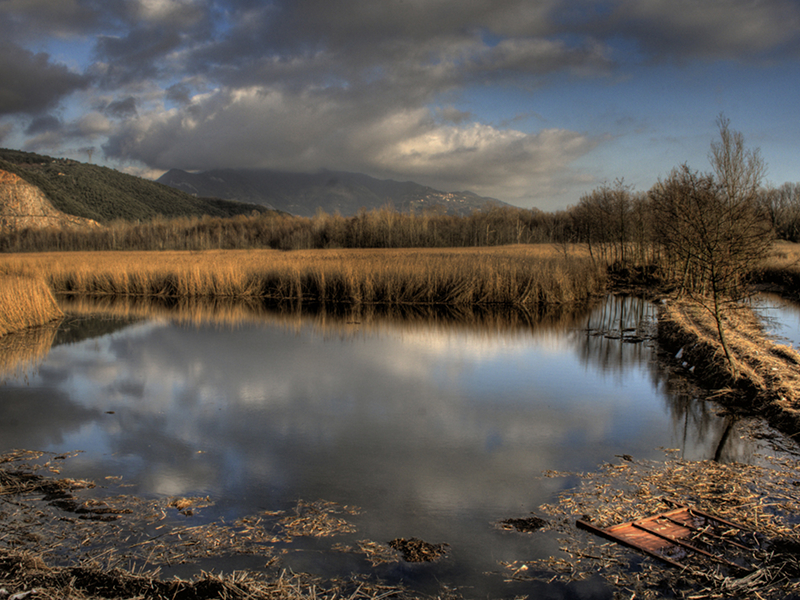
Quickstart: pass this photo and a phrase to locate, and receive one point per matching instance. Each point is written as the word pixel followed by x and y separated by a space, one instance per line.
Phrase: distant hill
pixel 103 194
pixel 331 191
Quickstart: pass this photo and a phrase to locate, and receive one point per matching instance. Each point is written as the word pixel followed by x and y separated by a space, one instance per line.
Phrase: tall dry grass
pixel 782 268
pixel 521 275
pixel 25 302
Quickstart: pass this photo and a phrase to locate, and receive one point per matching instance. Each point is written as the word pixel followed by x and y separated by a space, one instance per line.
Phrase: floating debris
pixel 317 519
pixel 188 506
pixel 759 498
pixel 375 552
pixel 416 550
pixel 525 525
pixel 688 535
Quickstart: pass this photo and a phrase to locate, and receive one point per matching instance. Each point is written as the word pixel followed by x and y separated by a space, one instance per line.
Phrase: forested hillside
pixel 104 194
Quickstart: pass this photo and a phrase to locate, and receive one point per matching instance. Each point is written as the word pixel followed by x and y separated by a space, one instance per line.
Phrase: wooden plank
pixel 691 547
pixel 705 532
pixel 632 542
pixel 669 530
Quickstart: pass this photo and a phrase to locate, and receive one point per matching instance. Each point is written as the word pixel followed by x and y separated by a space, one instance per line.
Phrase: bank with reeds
pixel 25 301
pixel 521 275
pixel 766 380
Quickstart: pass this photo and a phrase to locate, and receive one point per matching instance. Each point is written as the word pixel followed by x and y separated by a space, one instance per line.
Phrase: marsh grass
pixel 25 302
pixel 782 268
pixel 523 275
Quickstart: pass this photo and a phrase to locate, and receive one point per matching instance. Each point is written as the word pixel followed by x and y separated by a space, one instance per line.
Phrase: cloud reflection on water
pixel 422 425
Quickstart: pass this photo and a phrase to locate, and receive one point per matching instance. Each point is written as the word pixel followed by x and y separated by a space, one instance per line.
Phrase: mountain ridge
pixel 342 192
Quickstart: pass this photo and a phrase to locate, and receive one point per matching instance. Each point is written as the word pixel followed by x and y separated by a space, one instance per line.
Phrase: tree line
pixel 619 225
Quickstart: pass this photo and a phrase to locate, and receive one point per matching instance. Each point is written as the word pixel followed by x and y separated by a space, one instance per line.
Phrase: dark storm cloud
pixel 179 93
pixel 137 56
pixel 121 109
pixel 34 18
pixel 32 83
pixel 47 134
pixel 728 29
pixel 43 124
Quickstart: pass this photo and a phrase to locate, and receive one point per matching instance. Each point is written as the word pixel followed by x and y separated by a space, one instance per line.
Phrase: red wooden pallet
pixel 676 536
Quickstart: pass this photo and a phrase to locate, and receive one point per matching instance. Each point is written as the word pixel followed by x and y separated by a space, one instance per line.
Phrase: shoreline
pixel 768 382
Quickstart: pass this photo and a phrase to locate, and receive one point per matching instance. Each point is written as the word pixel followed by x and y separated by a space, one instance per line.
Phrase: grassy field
pixel 25 302
pixel 524 275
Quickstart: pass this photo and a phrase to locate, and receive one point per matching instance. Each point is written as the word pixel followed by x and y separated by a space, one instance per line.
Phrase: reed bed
pixel 25 302
pixel 782 269
pixel 509 275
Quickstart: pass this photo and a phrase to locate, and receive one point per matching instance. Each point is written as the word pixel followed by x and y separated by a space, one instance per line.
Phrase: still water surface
pixel 436 429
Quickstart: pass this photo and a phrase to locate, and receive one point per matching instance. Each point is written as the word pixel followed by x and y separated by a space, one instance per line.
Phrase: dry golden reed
pixel 25 302
pixel 523 275
pixel 782 268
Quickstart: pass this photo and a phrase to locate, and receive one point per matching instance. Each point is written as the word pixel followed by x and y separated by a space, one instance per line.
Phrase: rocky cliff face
pixel 23 205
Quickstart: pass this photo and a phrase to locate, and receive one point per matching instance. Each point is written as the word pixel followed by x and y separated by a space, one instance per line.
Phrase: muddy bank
pixel 768 380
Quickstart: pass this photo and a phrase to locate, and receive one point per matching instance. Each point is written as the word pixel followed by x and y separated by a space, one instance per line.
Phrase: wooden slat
pixel 630 542
pixel 667 530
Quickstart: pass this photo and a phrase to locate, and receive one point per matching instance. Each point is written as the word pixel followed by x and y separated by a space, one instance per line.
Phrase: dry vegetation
pixel 508 275
pixel 782 269
pixel 25 302
pixel 760 498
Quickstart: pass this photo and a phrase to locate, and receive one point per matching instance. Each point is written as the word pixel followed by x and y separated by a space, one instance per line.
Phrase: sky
pixel 532 102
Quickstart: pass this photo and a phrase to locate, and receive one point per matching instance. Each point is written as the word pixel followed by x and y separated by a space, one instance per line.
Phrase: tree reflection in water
pixel 621 333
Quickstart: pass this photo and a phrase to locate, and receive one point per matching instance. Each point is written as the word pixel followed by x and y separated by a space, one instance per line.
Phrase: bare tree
pixel 738 170
pixel 712 226
pixel 782 206
pixel 605 217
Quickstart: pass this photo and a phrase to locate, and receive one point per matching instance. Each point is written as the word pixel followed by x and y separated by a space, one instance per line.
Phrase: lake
pixel 436 425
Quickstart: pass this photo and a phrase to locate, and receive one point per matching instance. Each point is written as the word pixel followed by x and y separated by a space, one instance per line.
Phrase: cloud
pixel 173 12
pixel 43 124
pixel 5 131
pixel 727 29
pixel 23 19
pixel 121 109
pixel 376 87
pixel 48 132
pixel 32 83
pixel 269 128
pixel 138 56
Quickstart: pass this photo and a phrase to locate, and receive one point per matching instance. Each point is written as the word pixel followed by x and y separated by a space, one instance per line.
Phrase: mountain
pixel 104 194
pixel 331 191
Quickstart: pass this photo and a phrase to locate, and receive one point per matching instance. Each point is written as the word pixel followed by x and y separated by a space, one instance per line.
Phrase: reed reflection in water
pixel 436 423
